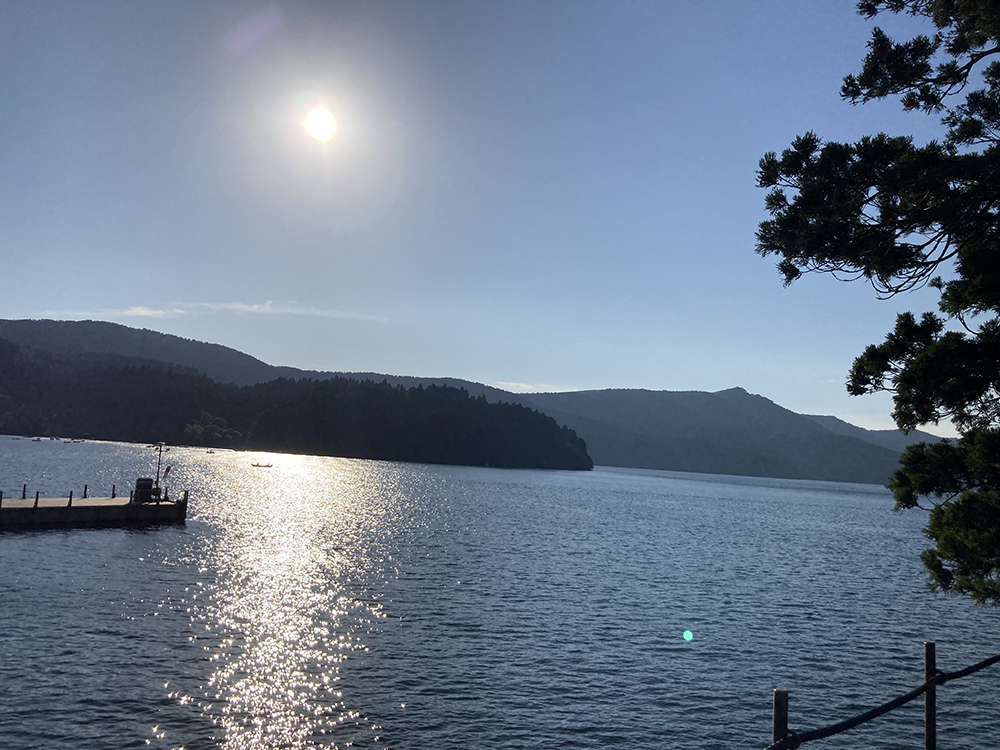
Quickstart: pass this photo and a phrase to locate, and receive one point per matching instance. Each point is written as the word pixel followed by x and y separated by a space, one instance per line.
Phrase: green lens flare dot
pixel 688 635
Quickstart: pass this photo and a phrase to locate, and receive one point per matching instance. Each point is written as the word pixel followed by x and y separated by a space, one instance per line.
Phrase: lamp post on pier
pixel 159 458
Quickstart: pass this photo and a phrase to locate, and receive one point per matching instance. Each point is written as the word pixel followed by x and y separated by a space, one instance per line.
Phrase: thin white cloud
pixel 181 309
pixel 536 388
pixel 138 311
pixel 514 387
pixel 145 312
pixel 270 308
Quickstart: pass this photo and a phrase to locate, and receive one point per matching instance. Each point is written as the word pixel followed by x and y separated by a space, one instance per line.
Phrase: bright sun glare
pixel 320 124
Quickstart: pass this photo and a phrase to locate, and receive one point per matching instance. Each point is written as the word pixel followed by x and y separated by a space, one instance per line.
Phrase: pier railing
pixel 783 738
pixel 86 487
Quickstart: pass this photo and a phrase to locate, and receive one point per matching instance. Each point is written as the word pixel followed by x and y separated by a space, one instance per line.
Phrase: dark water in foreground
pixel 340 603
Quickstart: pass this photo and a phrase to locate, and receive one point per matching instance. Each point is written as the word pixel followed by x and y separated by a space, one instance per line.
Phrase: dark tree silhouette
pixel 900 216
pixel 117 398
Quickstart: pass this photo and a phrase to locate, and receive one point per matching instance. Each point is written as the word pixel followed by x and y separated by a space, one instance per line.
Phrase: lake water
pixel 341 603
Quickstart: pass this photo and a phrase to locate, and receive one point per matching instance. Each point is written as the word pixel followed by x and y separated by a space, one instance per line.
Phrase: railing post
pixel 24 491
pixel 113 487
pixel 930 697
pixel 84 490
pixel 779 719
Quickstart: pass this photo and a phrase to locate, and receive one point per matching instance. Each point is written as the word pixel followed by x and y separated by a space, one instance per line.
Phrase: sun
pixel 320 124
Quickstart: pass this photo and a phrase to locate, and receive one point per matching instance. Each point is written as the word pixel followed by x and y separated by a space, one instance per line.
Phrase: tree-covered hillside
pixel 142 401
pixel 220 363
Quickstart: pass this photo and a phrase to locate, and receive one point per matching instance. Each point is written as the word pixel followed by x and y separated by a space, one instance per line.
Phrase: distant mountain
pixel 220 363
pixel 895 440
pixel 728 432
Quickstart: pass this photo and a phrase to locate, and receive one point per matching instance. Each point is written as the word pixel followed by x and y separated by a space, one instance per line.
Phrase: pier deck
pixel 60 502
pixel 58 512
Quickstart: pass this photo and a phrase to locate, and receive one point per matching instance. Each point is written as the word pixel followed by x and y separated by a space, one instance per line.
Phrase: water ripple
pixel 336 603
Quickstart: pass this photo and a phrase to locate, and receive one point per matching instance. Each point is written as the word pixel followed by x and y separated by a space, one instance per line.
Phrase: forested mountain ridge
pixel 728 432
pixel 221 363
pixel 108 397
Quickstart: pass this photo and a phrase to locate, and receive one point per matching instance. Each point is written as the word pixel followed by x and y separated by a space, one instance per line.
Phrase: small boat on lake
pixel 261 466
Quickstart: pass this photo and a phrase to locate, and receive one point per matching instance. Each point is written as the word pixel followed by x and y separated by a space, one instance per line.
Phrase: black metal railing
pixel 783 738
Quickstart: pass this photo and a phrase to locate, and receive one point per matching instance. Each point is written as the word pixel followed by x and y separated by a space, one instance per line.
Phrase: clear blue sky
pixel 538 195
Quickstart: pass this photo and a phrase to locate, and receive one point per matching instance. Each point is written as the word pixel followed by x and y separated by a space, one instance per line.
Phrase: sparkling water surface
pixel 340 603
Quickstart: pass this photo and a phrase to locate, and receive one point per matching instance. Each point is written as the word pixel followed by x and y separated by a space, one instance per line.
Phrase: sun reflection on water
pixel 295 550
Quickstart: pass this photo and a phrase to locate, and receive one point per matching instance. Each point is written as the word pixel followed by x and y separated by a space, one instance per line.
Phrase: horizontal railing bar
pixel 968 670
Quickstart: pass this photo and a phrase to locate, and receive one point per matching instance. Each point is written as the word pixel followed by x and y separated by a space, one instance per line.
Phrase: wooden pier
pixel 32 512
